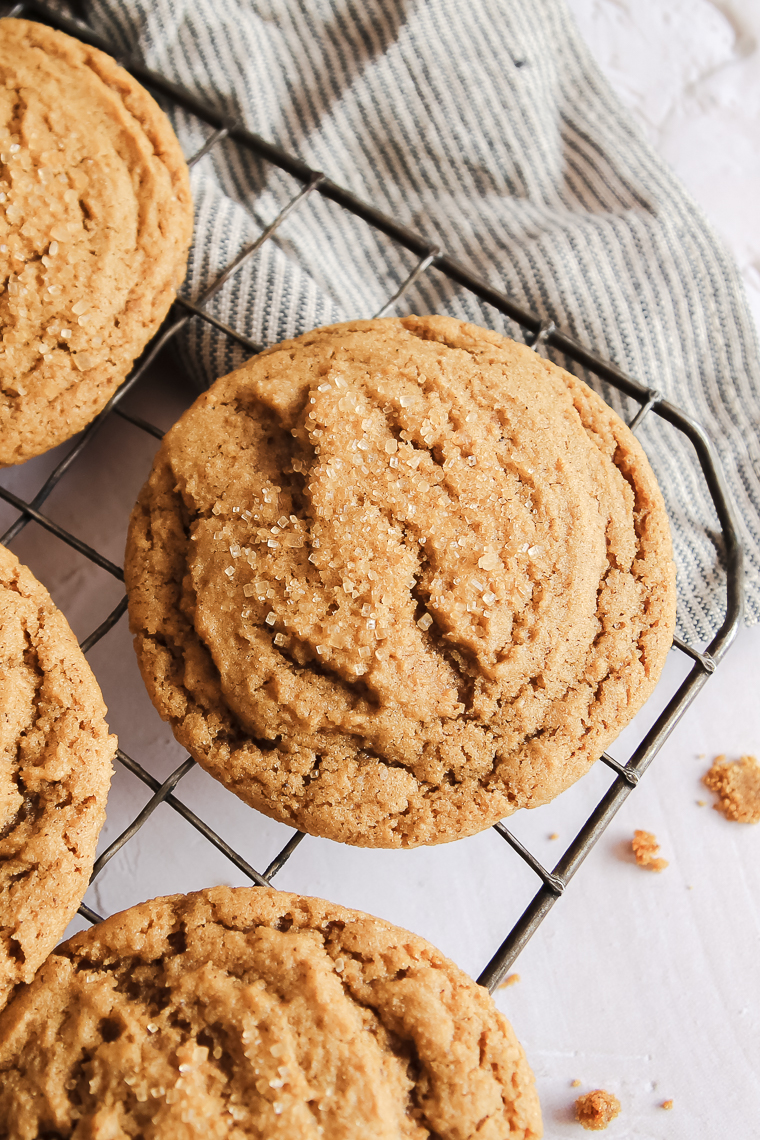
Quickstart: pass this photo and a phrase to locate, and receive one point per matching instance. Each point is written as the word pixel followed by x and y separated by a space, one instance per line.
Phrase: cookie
pixel 395 579
pixel 95 225
pixel 252 1013
pixel 55 769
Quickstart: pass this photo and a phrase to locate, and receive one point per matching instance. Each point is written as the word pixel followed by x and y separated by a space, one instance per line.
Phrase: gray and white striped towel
pixel 487 127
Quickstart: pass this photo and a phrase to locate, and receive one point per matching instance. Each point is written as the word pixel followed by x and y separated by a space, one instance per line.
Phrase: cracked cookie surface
pixel 95 225
pixel 252 1013
pixel 55 769
pixel 395 579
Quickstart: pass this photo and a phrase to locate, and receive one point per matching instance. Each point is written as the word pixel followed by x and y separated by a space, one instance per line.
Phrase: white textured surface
pixel 649 985
pixel 643 984
pixel 689 70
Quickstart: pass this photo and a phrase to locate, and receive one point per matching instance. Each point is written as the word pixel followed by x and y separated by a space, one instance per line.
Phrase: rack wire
pixel 538 332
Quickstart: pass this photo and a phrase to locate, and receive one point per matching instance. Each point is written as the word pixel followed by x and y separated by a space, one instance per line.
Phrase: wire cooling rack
pixel 537 332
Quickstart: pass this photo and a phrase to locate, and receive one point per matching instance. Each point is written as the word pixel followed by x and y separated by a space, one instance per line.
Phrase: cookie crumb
pixel 645 848
pixel 554 835
pixel 737 786
pixel 510 980
pixel 576 1084
pixel 701 803
pixel 668 1104
pixel 594 1110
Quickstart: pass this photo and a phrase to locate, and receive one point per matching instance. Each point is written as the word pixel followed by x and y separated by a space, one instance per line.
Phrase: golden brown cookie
pixel 95 225
pixel 251 1013
pixel 55 768
pixel 397 578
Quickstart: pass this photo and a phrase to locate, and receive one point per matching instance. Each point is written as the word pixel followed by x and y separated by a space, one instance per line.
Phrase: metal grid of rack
pixel 537 332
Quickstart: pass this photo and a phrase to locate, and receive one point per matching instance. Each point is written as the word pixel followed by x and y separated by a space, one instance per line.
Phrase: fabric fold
pixel 489 129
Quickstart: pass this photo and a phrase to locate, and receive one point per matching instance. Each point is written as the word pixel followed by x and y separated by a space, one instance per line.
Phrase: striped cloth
pixel 486 127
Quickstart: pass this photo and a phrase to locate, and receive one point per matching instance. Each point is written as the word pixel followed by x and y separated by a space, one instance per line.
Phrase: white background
pixel 647 985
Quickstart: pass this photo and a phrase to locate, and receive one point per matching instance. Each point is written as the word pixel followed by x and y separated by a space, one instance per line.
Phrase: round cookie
pixel 95 224
pixel 394 579
pixel 55 769
pixel 251 1013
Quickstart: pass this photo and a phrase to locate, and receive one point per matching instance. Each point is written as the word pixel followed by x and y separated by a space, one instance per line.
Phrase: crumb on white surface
pixel 645 848
pixel 737 786
pixel 595 1110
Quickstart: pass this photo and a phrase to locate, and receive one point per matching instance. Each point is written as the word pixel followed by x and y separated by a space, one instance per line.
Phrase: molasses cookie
pixel 95 225
pixel 395 579
pixel 55 768
pixel 252 1013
